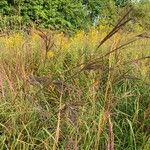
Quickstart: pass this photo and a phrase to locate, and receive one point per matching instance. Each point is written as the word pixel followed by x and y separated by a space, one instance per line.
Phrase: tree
pixel 66 15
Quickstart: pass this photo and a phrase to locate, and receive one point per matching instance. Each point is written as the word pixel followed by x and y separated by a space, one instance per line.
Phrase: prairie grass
pixel 59 92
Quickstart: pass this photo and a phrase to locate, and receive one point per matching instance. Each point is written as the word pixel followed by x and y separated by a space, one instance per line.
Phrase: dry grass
pixel 61 92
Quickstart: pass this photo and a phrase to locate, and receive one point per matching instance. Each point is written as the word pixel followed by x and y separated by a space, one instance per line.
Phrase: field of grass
pixel 68 93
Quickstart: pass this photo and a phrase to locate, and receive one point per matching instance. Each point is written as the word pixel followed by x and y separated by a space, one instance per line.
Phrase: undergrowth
pixel 60 92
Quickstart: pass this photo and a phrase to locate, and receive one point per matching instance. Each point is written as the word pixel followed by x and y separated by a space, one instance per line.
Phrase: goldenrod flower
pixel 50 54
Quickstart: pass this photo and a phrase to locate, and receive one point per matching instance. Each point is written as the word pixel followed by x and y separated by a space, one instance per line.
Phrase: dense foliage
pixel 68 15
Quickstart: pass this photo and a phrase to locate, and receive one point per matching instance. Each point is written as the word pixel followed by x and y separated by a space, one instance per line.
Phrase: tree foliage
pixel 65 15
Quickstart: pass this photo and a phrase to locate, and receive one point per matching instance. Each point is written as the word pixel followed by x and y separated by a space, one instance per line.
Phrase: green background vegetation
pixel 68 15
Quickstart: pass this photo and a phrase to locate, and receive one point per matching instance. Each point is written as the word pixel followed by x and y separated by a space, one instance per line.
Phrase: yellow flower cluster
pixel 61 41
pixel 50 54
pixel 14 41
pixel 80 43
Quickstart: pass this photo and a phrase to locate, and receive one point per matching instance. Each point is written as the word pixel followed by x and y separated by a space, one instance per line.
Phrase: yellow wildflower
pixel 50 54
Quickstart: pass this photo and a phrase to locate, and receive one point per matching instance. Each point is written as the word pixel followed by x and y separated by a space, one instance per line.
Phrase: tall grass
pixel 60 92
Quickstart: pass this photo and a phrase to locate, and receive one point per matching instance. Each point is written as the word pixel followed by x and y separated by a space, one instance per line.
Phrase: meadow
pixel 74 93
